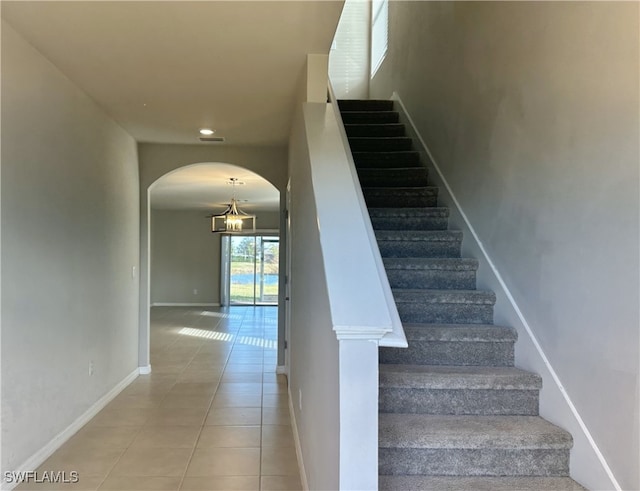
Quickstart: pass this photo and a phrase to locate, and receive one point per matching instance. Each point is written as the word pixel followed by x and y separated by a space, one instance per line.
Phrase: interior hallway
pixel 213 415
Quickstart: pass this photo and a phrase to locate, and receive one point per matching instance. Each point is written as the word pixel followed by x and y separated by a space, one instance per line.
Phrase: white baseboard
pixel 570 418
pixel 144 370
pixel 33 462
pixel 282 370
pixel 171 304
pixel 296 441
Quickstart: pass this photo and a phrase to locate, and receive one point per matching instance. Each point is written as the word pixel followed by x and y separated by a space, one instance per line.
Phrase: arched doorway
pixel 182 198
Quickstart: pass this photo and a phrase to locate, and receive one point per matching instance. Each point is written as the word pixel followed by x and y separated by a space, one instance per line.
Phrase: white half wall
pixel 69 253
pixel 530 109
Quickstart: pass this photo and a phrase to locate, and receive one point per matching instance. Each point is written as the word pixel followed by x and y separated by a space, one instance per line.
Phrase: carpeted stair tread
pixel 347 105
pixel 426 431
pixel 418 235
pixel 379 117
pixel 375 129
pixel 457 377
pixel 477 483
pixel 396 197
pixel 480 333
pixel 380 143
pixel 425 218
pixel 430 263
pixel 411 295
pixel 408 212
pixel 385 160
pixel 398 177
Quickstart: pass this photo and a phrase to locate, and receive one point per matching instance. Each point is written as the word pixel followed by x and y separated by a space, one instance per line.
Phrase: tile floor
pixel 213 415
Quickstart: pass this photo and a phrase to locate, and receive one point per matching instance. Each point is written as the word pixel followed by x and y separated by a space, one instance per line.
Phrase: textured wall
pixel 69 241
pixel 531 111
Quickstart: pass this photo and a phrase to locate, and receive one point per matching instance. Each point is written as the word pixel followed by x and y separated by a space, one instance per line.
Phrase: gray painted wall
pixel 69 241
pixel 531 111
pixel 185 255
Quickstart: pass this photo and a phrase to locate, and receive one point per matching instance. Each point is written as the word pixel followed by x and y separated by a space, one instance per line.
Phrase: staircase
pixel 455 414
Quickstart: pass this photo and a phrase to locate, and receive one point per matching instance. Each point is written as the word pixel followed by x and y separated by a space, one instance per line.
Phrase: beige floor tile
pixel 140 483
pixel 166 437
pixel 277 400
pixel 237 400
pixel 275 416
pixel 279 462
pixel 136 401
pixel 221 483
pixel 187 400
pixel 200 376
pixel 225 462
pixel 85 483
pixel 161 462
pixel 234 416
pixel 280 483
pixel 177 416
pixel 277 436
pixel 86 461
pixel 121 417
pixel 246 368
pixel 229 436
pixel 194 387
pixel 235 377
pixel 240 388
pixel 273 389
pixel 104 436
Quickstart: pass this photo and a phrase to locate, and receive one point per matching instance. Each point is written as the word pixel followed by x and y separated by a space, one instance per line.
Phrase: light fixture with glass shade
pixel 232 220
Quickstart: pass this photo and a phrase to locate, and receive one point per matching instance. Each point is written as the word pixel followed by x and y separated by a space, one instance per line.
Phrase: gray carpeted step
pixel 410 197
pixel 436 273
pixel 479 483
pixel 472 445
pixel 445 306
pixel 365 105
pixel 395 177
pixel 409 218
pixel 390 129
pixel 454 344
pixel 380 144
pixel 369 117
pixel 386 160
pixel 457 390
pixel 419 243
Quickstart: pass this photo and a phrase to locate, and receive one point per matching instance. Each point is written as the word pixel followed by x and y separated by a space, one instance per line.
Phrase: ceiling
pixel 164 69
pixel 205 187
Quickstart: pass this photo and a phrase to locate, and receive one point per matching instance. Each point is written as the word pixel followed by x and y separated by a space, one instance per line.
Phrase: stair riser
pixel 474 462
pixel 372 130
pixel 465 353
pixel 459 401
pixel 380 160
pixel 445 313
pixel 413 177
pixel 381 117
pixel 434 279
pixel 412 223
pixel 396 144
pixel 419 248
pixel 365 105
pixel 379 200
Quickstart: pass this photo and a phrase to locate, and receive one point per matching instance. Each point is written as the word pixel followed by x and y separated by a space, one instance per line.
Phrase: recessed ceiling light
pixel 207 131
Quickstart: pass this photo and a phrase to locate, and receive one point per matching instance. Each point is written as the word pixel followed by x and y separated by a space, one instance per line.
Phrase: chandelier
pixel 232 219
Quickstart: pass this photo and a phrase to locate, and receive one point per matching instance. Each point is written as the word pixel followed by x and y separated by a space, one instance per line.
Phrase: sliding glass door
pixel 250 269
